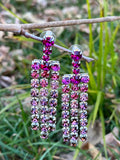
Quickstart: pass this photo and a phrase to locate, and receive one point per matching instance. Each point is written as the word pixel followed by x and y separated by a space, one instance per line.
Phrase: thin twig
pixel 17 27
pixel 28 35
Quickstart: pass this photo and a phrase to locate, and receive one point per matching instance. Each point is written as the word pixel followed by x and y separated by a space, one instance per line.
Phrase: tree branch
pixel 18 27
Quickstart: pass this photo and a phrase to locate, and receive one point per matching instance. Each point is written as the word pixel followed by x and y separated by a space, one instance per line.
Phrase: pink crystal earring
pixel 49 70
pixel 71 117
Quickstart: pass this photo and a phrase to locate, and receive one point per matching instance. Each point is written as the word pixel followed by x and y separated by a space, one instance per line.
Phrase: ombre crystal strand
pixel 34 94
pixel 55 67
pixel 65 107
pixel 47 114
pixel 83 106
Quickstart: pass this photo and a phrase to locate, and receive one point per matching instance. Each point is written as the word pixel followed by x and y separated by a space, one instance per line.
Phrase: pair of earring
pixel 74 105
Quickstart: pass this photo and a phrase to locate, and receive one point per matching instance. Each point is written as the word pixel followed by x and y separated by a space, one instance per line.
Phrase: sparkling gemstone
pixel 45 74
pixel 65 88
pixel 74 112
pixel 54 93
pixel 45 66
pixel 55 65
pixel 83 137
pixel 44 128
pixel 54 76
pixel 66 79
pixel 35 65
pixel 65 122
pixel 74 104
pixel 83 97
pixel 65 97
pixel 35 118
pixel 66 131
pixel 75 79
pixel 76 55
pixel 44 110
pixel 76 64
pixel 83 114
pixel 44 82
pixel 74 128
pixel 44 92
pixel 35 126
pixel 83 105
pixel 44 101
pixel 83 87
pixel 74 95
pixel 53 102
pixel 44 135
pixel 46 58
pixel 34 74
pixel 44 118
pixel 48 41
pixel 35 83
pixel 52 111
pixel 75 87
pixel 34 92
pixel 47 50
pixel 34 101
pixel 83 130
pixel 34 110
pixel 52 119
pixel 54 84
pixel 65 114
pixel 83 122
pixel 84 78
pixel 76 71
pixel 74 120
pixel 65 106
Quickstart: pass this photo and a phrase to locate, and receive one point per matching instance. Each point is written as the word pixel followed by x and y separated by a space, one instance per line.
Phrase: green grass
pixel 17 141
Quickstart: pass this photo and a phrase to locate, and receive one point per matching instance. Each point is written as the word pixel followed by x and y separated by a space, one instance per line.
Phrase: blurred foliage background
pixel 100 41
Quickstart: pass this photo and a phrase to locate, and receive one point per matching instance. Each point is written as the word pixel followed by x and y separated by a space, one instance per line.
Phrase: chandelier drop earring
pixel 74 97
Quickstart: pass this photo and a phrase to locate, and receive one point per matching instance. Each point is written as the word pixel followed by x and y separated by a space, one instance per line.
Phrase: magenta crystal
pixel 53 102
pixel 48 41
pixel 76 55
pixel 54 76
pixel 66 80
pixel 65 106
pixel 45 66
pixel 84 78
pixel 46 58
pixel 54 93
pixel 47 50
pixel 83 105
pixel 83 96
pixel 44 92
pixel 83 88
pixel 76 64
pixel 75 79
pixel 43 82
pixel 45 74
pixel 44 101
pixel 65 89
pixel 75 87
pixel 65 97
pixel 74 95
pixel 34 110
pixel 35 66
pixel 74 104
pixel 35 83
pixel 35 74
pixel 54 84
pixel 34 92
pixel 34 101
pixel 76 71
